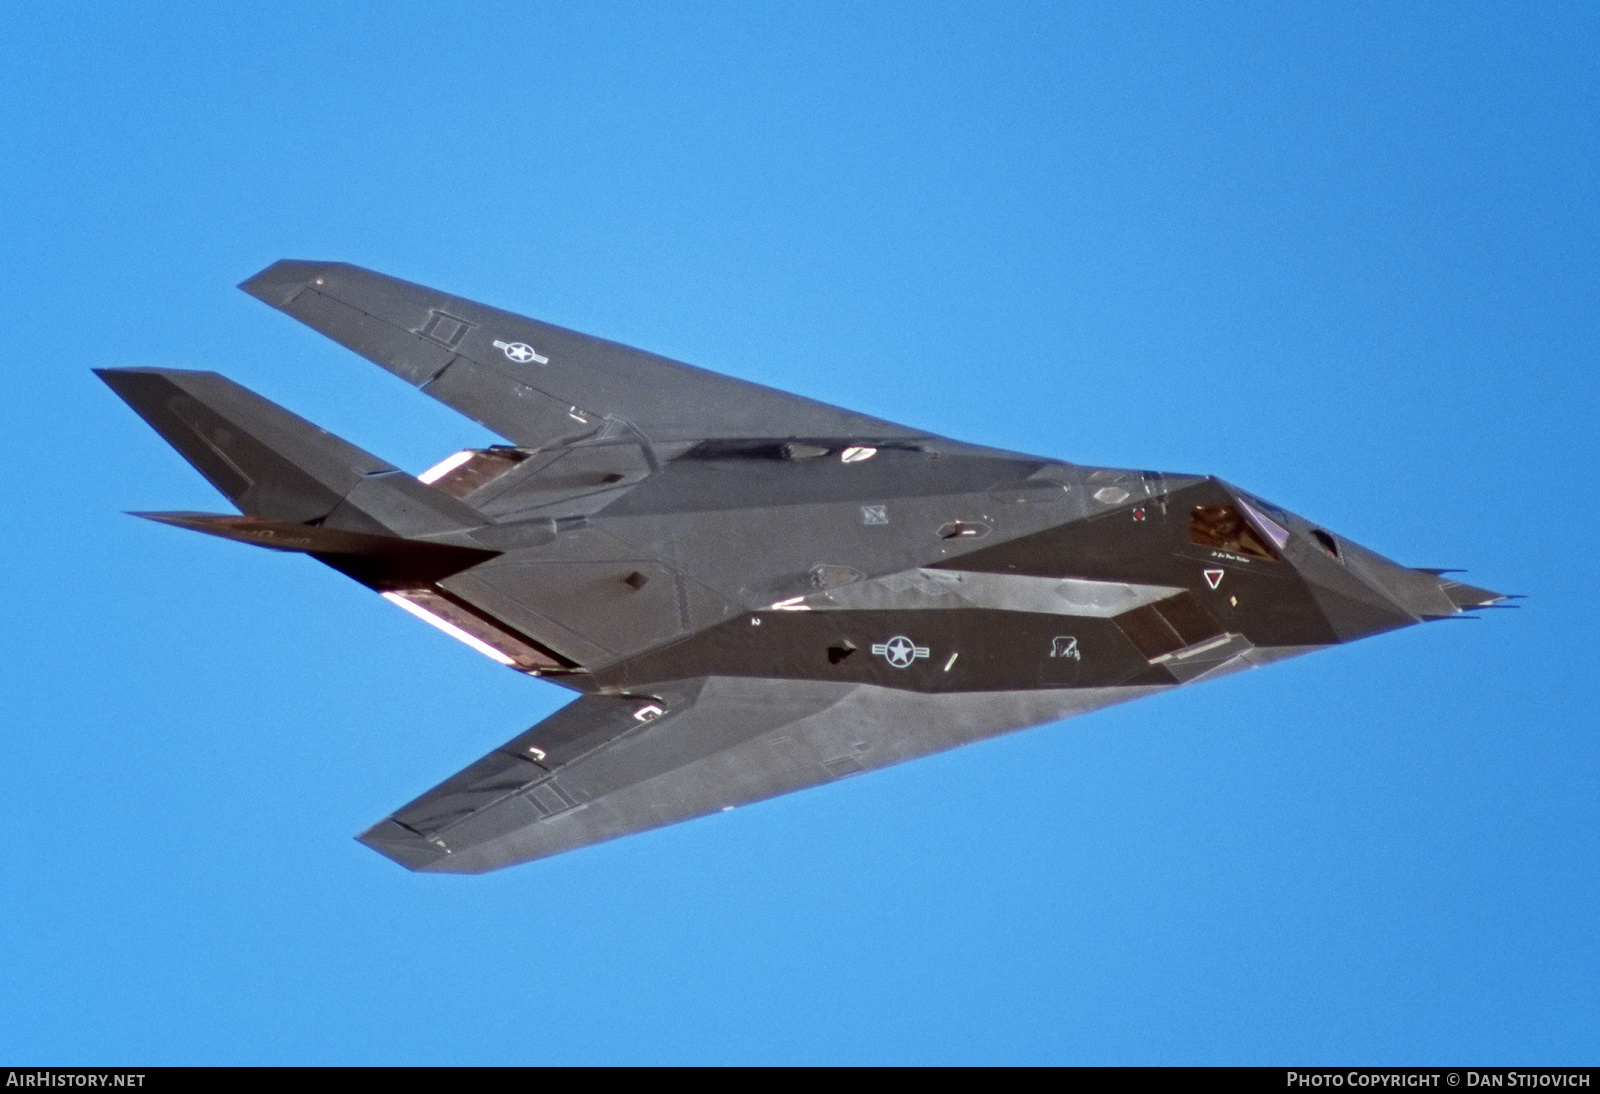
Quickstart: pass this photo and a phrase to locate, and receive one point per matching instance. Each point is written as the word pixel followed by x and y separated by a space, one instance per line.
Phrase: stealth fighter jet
pixel 751 592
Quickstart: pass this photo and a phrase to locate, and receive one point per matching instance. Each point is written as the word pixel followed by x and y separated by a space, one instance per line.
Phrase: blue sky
pixel 1342 255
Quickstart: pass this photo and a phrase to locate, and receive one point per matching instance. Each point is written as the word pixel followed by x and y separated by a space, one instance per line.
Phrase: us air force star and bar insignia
pixel 521 353
pixel 899 651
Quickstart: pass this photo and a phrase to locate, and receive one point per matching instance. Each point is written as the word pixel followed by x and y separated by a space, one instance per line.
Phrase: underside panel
pixel 416 332
pixel 733 742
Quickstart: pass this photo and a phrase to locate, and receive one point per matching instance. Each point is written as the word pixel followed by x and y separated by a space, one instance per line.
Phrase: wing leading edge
pixel 536 384
pixel 607 765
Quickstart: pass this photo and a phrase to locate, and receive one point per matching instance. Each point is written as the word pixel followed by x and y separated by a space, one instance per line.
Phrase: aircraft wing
pixel 539 385
pixel 607 765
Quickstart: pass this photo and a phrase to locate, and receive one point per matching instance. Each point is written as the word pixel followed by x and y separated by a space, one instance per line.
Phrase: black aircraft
pixel 751 592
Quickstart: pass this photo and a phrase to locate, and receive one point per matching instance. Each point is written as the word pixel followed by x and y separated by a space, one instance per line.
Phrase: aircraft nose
pixel 1466 597
pixel 1424 593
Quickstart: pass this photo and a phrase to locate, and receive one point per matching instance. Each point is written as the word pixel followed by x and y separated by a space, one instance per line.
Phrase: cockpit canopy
pixel 1241 528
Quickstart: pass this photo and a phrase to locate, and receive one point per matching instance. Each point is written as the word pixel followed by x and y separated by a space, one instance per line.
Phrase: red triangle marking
pixel 1214 577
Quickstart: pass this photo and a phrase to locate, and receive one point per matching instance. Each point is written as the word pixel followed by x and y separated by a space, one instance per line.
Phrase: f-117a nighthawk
pixel 751 592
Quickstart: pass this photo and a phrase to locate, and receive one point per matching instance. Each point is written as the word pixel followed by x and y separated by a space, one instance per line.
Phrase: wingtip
pixel 399 844
pixel 159 518
pixel 135 386
pixel 112 376
pixel 1468 598
pixel 284 280
pixel 146 388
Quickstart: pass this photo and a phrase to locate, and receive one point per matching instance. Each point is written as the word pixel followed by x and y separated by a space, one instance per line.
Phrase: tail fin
pixel 384 563
pixel 278 466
